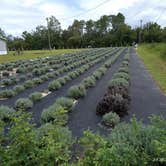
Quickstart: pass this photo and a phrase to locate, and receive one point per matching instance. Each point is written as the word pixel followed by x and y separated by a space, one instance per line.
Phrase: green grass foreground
pixel 34 54
pixel 154 58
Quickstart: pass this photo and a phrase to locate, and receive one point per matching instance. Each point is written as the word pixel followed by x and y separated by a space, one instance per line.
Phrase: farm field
pixel 53 107
pixel 13 56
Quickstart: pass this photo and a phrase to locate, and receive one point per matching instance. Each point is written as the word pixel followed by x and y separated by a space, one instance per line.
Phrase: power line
pixel 137 13
pixel 87 11
pixel 160 15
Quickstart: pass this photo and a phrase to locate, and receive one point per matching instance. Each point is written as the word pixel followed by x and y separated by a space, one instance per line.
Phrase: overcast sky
pixel 17 16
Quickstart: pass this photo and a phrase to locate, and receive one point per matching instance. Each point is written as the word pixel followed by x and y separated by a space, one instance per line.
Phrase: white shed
pixel 3 46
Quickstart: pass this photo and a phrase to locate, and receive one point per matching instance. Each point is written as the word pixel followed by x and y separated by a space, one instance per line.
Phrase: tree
pixel 152 32
pixel 117 20
pixel 108 30
pixel 54 32
pixel 2 33
pixel 103 24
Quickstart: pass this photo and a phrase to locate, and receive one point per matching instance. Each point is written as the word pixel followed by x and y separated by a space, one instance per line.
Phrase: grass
pixel 154 58
pixel 34 54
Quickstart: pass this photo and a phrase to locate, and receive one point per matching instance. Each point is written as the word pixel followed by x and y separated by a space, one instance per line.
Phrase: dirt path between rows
pixel 146 97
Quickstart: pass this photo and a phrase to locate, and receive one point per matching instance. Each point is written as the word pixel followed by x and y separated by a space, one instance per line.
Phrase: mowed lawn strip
pixel 35 54
pixel 154 58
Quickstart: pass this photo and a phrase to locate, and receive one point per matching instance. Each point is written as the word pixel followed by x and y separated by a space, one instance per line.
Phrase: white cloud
pixel 112 5
pixel 30 3
pixel 147 11
pixel 53 9
pixel 19 15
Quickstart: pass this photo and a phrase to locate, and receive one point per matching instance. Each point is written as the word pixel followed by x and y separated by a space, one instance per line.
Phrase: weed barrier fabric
pixel 18 75
pixel 10 102
pixel 50 99
pixel 26 92
pixel 146 97
pixel 83 116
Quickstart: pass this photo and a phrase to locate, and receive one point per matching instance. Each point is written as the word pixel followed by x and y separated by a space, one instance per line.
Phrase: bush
pixel 67 78
pixel 86 67
pixel 2 67
pixel 102 70
pixel 13 79
pixel 61 80
pixel 5 113
pixel 26 147
pixel 23 104
pixel 19 88
pixel 143 139
pixel 113 103
pixel 77 91
pixel 59 133
pixel 22 78
pixel 29 75
pixel 6 82
pixel 5 73
pixel 54 85
pixel 50 75
pixel 125 63
pixel 118 82
pixel 10 68
pixel 55 114
pixel 80 71
pixel 108 63
pixel 127 144
pixel 56 73
pixel 72 75
pixel 65 102
pixel 36 72
pixel 28 84
pixel 7 93
pixel 121 75
pixel 97 75
pixel 110 119
pixel 21 70
pixel 89 82
pixel 124 69
pixel 55 143
pixel 37 81
pixel 35 96
pixel 122 90
pixel 44 78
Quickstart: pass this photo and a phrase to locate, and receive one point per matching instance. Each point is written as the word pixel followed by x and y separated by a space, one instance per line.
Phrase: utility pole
pixel 49 40
pixel 140 32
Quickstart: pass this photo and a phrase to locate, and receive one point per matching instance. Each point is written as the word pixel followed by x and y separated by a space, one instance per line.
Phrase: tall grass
pixel 154 58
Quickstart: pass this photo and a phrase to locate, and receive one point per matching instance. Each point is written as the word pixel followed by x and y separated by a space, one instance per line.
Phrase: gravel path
pixel 146 97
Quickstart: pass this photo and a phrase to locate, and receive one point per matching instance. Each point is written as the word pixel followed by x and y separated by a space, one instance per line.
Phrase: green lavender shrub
pixel 77 91
pixel 54 85
pixel 23 104
pixel 35 96
pixel 110 119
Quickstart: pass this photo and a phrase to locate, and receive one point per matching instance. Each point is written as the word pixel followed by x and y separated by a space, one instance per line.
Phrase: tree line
pixel 108 30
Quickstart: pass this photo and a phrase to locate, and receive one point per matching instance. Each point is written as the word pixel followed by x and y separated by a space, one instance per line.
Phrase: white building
pixel 3 46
